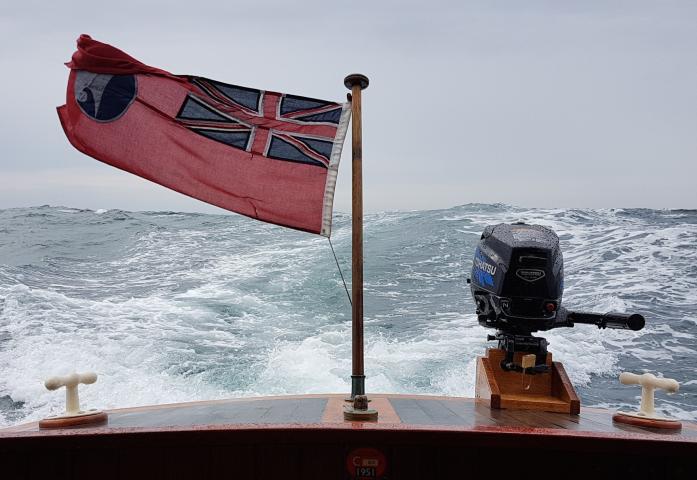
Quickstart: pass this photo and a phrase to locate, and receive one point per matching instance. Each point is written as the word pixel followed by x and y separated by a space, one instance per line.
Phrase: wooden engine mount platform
pixel 550 392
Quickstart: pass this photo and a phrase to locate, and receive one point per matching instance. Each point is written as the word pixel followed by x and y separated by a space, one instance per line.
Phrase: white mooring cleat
pixel 72 416
pixel 646 416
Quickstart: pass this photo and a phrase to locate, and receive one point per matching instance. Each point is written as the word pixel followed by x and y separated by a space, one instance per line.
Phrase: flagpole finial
pixel 356 79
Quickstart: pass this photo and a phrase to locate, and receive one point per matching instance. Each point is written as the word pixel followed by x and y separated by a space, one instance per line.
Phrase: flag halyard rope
pixel 340 272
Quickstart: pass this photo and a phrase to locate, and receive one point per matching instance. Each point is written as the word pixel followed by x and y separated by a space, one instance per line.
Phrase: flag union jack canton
pixel 267 155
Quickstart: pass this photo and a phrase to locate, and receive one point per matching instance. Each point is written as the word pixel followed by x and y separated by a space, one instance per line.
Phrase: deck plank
pixel 438 411
pixel 427 412
pixel 307 410
pixel 528 418
pixel 475 413
pixel 558 420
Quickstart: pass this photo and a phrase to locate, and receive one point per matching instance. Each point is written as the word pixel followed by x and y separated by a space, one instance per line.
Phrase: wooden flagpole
pixel 356 83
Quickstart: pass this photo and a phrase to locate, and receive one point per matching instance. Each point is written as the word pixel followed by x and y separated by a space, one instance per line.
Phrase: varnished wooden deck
pixel 325 412
pixel 272 436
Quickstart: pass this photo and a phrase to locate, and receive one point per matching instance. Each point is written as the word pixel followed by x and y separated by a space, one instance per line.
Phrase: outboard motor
pixel 517 285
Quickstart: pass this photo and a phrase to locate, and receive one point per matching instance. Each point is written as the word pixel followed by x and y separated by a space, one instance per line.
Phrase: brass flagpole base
pixel 359 411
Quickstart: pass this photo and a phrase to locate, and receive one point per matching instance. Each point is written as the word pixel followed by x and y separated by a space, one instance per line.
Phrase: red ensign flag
pixel 267 155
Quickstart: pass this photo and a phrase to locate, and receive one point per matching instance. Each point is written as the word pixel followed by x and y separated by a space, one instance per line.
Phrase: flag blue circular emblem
pixel 104 97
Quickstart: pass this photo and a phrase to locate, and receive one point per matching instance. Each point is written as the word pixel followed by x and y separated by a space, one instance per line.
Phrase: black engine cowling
pixel 518 278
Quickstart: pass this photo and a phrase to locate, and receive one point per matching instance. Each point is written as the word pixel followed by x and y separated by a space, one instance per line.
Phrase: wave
pixel 171 307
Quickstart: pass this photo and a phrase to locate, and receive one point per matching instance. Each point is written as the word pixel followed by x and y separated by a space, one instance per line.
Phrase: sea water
pixel 170 307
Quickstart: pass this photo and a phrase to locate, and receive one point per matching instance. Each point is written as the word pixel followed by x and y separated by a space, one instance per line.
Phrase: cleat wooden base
pixel 90 418
pixel 641 421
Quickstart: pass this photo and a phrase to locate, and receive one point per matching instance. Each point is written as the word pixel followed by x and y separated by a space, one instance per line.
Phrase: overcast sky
pixel 533 103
